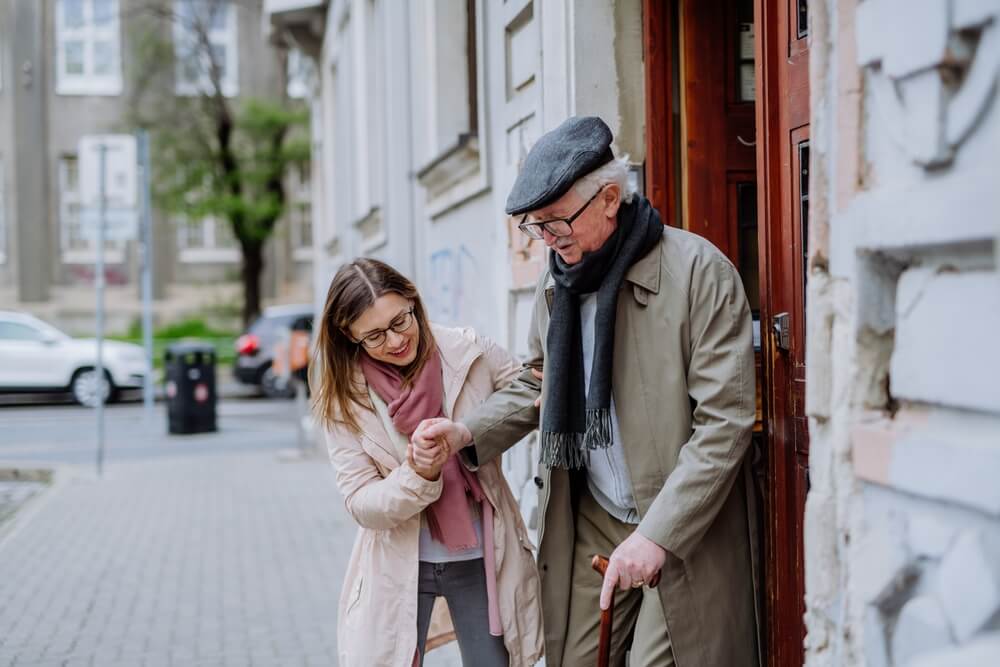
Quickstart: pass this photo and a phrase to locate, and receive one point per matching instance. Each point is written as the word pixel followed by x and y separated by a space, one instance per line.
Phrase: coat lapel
pixel 376 442
pixel 458 354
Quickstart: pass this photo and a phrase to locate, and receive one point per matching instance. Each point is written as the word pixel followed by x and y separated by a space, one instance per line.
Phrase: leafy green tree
pixel 215 155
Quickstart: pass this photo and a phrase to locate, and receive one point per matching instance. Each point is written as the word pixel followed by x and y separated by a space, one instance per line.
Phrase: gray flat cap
pixel 558 159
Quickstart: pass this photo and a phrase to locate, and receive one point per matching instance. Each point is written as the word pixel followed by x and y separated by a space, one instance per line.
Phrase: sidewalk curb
pixel 55 477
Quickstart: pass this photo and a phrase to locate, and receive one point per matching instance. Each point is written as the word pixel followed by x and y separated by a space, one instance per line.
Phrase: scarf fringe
pixel 571 451
pixel 598 434
pixel 563 450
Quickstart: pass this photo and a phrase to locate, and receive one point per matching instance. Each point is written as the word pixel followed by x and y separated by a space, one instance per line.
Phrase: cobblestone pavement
pixel 220 557
pixel 14 494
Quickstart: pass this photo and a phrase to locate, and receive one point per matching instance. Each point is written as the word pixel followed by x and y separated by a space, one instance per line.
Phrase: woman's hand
pixel 427 461
pixel 454 435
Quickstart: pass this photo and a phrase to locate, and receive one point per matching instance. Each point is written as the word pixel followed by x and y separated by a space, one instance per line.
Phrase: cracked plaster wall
pixel 903 516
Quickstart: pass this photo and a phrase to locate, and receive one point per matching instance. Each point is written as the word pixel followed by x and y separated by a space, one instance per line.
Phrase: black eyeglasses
pixel 554 226
pixel 401 323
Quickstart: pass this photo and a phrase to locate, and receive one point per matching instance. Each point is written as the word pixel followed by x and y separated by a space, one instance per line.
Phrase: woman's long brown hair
pixel 336 389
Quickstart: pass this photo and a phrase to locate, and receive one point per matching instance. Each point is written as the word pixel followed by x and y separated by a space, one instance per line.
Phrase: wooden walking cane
pixel 600 565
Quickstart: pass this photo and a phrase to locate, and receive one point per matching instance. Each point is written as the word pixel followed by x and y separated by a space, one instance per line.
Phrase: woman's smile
pixel 400 352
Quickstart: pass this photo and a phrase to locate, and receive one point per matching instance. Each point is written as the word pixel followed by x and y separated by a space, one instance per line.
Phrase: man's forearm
pixel 506 417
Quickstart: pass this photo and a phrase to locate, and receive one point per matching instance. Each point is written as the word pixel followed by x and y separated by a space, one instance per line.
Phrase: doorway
pixel 727 110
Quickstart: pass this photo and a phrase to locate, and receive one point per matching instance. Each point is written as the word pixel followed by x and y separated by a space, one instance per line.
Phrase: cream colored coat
pixel 377 614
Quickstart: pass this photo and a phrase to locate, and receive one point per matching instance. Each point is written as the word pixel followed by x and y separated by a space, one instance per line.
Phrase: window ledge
pixel 90 87
pixel 116 256
pixel 209 255
pixel 303 20
pixel 372 230
pixel 332 246
pixel 195 90
pixel 454 176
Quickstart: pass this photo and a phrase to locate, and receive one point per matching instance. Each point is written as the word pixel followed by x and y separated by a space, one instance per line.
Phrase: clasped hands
pixel 432 443
pixel 634 563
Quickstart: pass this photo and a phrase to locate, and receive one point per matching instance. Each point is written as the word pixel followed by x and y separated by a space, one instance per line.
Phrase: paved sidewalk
pixel 219 559
pixel 14 494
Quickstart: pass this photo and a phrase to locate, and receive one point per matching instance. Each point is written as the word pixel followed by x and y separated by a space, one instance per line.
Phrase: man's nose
pixel 548 237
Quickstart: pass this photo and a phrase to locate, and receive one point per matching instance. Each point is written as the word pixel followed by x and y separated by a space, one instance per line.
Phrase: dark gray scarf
pixel 575 421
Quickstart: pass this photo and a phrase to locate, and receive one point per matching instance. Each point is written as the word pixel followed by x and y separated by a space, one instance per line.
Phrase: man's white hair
pixel 615 171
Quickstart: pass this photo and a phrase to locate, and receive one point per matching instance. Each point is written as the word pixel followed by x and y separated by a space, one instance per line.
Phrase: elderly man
pixel 647 405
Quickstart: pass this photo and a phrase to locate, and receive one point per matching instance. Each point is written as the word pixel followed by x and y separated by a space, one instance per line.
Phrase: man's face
pixel 590 230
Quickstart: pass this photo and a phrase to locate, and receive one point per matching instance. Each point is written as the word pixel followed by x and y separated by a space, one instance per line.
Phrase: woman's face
pixel 385 323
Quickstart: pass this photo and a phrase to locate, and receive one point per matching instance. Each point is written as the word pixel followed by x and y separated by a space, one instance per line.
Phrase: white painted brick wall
pixel 969 583
pixel 922 627
pixel 945 326
pixel 904 330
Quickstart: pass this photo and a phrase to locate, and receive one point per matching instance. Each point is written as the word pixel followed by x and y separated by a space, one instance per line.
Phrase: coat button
pixel 538 482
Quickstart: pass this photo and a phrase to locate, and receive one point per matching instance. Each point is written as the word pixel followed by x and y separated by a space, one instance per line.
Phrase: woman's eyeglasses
pixel 554 226
pixel 401 323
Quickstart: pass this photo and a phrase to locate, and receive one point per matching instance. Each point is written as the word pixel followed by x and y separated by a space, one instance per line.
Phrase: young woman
pixel 431 531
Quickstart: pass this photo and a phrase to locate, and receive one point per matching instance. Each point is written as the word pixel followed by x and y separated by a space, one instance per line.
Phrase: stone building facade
pixel 903 517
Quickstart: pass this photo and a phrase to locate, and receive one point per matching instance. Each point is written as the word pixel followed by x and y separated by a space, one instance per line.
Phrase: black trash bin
pixel 190 387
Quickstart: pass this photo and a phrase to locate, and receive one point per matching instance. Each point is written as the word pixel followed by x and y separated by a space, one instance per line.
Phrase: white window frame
pixel 300 198
pixel 209 252
pixel 114 249
pixel 301 75
pixel 3 213
pixel 88 82
pixel 453 150
pixel 227 36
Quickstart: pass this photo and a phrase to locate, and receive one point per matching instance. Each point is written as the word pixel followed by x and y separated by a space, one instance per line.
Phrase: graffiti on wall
pixel 455 289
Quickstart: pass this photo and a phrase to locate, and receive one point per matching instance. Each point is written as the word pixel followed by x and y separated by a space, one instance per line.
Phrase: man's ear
pixel 611 197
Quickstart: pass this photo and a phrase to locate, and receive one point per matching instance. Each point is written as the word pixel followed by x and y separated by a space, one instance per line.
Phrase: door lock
pixel 781 325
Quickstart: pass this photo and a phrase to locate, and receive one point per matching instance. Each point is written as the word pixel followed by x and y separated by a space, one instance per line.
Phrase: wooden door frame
pixel 658 46
pixel 783 611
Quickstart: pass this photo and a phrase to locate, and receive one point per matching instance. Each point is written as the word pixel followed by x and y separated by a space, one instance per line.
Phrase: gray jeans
pixel 463 585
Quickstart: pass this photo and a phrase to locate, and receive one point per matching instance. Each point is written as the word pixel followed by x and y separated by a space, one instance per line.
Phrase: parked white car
pixel 35 356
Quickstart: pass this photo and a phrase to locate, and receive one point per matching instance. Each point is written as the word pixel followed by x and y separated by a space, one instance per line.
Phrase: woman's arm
pixel 374 501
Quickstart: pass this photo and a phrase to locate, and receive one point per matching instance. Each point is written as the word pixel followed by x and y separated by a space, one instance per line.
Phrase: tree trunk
pixel 253 266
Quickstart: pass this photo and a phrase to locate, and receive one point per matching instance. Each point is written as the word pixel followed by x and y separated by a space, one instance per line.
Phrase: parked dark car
pixel 254 349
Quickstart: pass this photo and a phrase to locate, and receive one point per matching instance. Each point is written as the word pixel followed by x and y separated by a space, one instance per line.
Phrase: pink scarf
pixel 449 518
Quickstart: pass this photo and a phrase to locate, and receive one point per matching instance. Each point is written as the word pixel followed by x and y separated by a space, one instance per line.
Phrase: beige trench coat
pixel 377 614
pixel 683 382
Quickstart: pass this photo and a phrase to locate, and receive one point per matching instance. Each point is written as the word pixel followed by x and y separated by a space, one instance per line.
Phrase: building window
pixel 301 74
pixel 77 245
pixel 205 45
pixel 451 149
pixel 206 240
pixel 300 213
pixel 88 48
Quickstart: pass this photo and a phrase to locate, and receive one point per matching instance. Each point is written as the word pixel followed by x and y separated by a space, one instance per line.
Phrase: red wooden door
pixel 783 172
